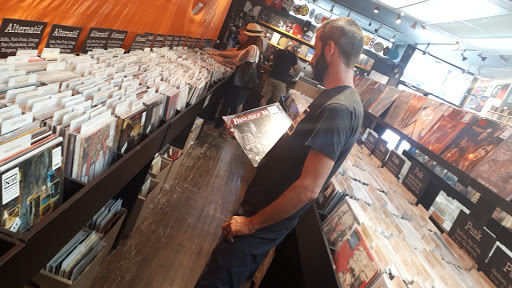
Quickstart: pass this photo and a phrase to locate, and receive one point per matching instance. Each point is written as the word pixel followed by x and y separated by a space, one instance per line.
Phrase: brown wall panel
pixel 135 16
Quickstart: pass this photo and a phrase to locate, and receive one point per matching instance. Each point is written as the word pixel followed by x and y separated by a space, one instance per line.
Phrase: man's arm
pixel 314 173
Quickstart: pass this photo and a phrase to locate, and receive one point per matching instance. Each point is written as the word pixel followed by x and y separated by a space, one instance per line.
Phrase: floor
pixel 173 243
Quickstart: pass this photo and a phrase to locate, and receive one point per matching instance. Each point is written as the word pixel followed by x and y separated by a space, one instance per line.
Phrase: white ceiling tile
pixel 499 26
pixel 399 3
pixel 491 45
pixel 461 29
pixel 466 9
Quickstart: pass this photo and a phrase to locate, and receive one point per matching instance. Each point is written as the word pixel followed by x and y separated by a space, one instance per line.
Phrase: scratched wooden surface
pixel 173 243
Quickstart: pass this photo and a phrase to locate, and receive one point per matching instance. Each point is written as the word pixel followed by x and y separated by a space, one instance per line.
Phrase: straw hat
pixel 254 29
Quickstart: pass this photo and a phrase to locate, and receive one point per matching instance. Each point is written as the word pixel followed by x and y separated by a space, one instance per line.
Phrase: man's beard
pixel 320 67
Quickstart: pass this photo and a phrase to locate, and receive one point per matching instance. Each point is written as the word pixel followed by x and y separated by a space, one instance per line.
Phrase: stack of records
pixel 103 220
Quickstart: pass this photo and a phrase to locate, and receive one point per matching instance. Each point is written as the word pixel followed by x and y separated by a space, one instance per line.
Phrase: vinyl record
pixel 296 9
pixel 385 52
pixel 318 18
pixel 379 47
pixel 393 54
pixel 312 13
pixel 284 41
pixel 288 5
pixel 304 10
pixel 367 39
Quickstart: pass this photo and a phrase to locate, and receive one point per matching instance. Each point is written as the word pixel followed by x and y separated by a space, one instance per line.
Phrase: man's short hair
pixel 347 35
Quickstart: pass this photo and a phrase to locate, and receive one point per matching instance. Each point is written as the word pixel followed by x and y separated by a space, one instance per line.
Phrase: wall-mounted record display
pixel 395 163
pixel 149 41
pixel 97 38
pixel 17 34
pixel 63 37
pixel 116 39
pixel 159 41
pixel 416 179
pixel 471 237
pixel 139 42
pixel 499 268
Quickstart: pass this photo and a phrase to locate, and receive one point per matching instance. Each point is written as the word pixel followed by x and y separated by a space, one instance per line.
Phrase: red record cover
pixel 355 265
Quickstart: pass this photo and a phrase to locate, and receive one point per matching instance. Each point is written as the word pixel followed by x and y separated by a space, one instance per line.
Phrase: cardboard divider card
pixel 138 43
pixel 395 163
pixel 381 150
pixel 149 40
pixel 499 268
pixel 476 241
pixel 63 37
pixel 416 179
pixel 159 41
pixel 17 34
pixel 97 38
pixel 116 39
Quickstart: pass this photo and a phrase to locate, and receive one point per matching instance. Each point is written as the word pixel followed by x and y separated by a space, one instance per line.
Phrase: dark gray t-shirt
pixel 331 127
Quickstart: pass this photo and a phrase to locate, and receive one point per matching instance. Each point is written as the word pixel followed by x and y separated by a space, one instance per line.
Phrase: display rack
pixel 23 256
pixel 275 29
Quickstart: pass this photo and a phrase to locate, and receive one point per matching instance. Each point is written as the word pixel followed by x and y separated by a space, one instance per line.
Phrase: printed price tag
pixel 56 157
pixel 10 185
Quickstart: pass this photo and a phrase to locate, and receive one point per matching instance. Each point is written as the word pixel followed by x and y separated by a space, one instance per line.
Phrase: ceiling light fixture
pixel 402 14
pixel 426 48
pixel 370 24
pixel 393 39
pixel 457 45
pixel 332 9
pixel 504 59
pixel 424 26
pixel 483 58
pixel 350 11
pixel 464 58
pixel 377 29
pixel 413 26
pixel 479 70
pixel 376 9
pixel 398 19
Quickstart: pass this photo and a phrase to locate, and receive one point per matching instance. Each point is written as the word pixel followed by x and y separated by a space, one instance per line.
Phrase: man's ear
pixel 331 49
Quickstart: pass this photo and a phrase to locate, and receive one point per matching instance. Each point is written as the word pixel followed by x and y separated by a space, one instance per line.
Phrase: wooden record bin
pixel 141 206
pixel 45 279
pixel 24 255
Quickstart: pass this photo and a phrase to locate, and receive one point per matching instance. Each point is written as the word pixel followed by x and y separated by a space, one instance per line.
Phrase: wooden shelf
pixel 300 40
pixel 275 45
pixel 361 67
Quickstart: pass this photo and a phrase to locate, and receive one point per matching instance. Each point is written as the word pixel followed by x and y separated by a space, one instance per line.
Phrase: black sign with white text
pixel 97 38
pixel 116 39
pixel 395 163
pixel 149 41
pixel 416 179
pixel 159 41
pixel 17 34
pixel 370 141
pixel 181 41
pixel 476 241
pixel 381 150
pixel 63 37
pixel 139 42
pixel 499 268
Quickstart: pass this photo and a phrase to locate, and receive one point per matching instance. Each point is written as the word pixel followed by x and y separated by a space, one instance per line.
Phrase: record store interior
pixel 256 143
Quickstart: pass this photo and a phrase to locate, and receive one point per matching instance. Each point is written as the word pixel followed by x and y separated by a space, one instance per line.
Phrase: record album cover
pixel 355 265
pixel 474 143
pixel 339 225
pixel 398 107
pixel 379 90
pixel 428 114
pixel 495 171
pixel 408 115
pixel 382 103
pixel 131 131
pixel 445 129
pixel 257 130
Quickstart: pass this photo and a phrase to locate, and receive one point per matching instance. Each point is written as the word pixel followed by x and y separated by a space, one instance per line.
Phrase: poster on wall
pixel 116 39
pixel 63 37
pixel 17 34
pixel 474 143
pixel 97 38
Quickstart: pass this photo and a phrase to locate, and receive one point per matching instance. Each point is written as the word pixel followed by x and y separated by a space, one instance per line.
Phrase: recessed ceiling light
pixel 376 9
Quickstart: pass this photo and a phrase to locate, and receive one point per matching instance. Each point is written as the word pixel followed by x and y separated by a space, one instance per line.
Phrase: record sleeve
pixel 428 114
pixel 382 103
pixel 474 143
pixel 408 115
pixel 355 265
pixel 378 92
pixel 259 129
pixel 398 107
pixel 338 226
pixel 131 131
pixel 445 129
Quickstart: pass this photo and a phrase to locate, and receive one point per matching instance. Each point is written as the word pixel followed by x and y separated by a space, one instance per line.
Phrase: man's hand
pixel 230 129
pixel 237 226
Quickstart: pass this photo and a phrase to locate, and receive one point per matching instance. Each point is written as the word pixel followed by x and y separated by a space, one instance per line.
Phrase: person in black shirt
pixel 298 167
pixel 282 61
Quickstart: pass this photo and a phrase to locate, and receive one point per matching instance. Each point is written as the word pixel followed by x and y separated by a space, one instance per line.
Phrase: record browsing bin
pixel 45 279
pixel 141 206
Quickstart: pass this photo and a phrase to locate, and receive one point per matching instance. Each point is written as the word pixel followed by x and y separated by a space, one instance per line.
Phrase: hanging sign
pixel 63 37
pixel 17 34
